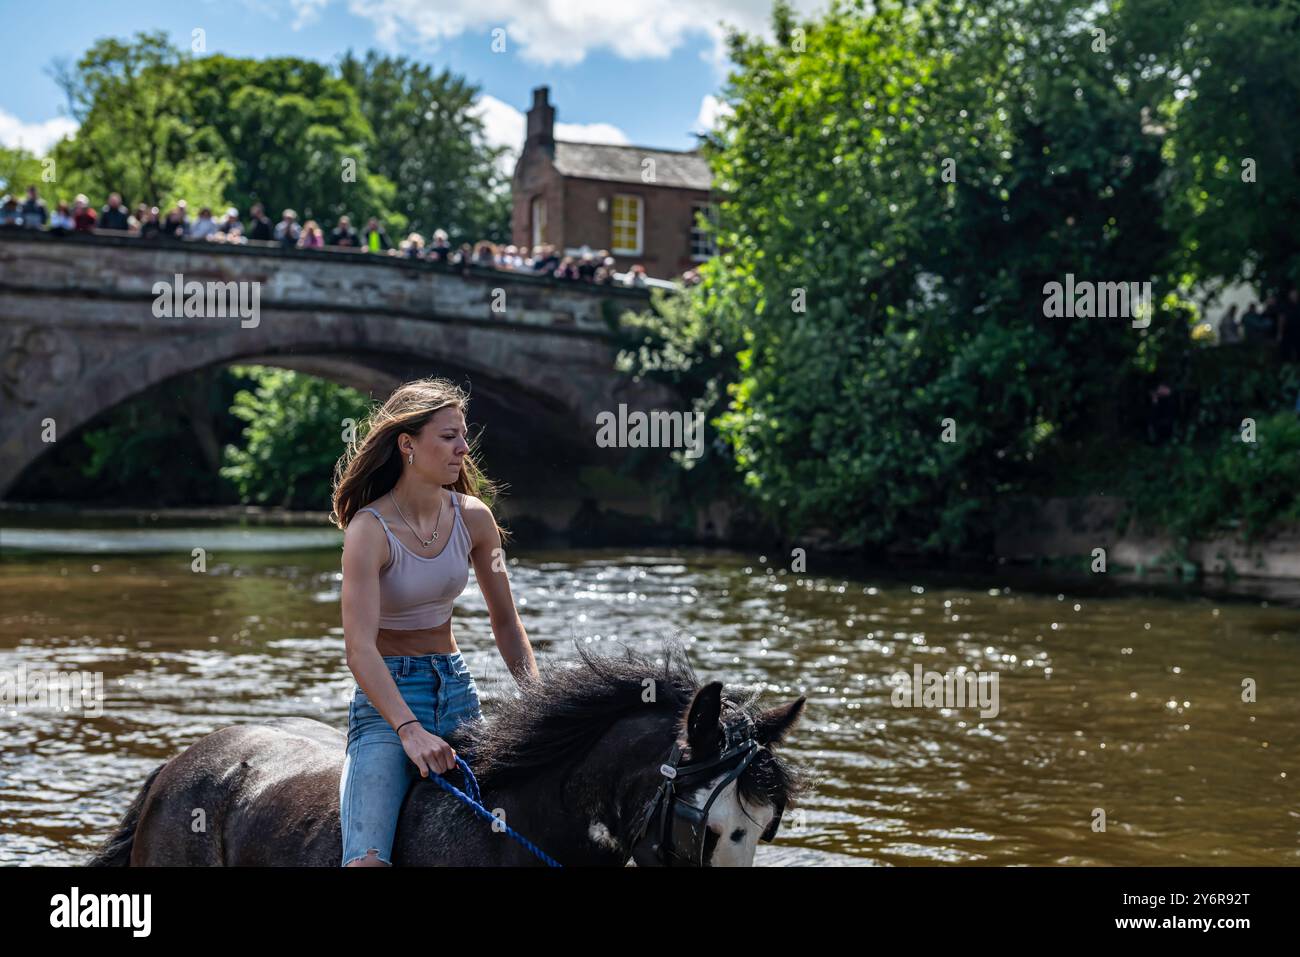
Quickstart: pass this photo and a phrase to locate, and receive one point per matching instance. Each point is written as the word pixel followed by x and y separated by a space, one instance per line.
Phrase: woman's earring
pixel 410 458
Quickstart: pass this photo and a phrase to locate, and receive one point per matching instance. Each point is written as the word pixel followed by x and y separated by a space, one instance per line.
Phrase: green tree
pixel 899 186
pixel 1229 78
pixel 159 125
pixel 294 134
pixel 292 439
pixel 430 143
pixel 19 169
pixel 136 135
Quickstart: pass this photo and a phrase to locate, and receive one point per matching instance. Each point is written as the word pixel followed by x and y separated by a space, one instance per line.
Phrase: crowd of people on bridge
pixel 177 225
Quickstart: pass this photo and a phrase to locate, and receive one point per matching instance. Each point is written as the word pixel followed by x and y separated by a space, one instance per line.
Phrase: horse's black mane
pixel 555 721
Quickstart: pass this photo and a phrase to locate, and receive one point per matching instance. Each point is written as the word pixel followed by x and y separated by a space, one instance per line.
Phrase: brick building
pixel 638 203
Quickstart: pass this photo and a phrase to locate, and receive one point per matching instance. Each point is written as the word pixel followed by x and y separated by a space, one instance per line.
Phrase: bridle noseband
pixel 672 831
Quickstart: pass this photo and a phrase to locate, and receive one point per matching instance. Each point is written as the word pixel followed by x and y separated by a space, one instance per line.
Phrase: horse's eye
pixel 738 835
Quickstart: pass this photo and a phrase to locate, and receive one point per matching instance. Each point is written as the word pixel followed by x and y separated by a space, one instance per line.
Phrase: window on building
pixel 702 243
pixel 626 226
pixel 539 221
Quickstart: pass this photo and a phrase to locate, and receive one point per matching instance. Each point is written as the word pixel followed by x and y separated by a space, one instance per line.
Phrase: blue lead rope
pixel 473 801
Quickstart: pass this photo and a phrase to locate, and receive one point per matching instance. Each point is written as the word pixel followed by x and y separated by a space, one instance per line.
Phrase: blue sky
pixel 638 71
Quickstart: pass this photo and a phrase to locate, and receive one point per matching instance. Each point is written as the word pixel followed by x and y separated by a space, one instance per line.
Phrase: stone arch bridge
pixel 85 325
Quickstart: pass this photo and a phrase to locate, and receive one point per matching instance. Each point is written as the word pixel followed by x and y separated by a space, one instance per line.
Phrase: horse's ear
pixel 771 724
pixel 703 726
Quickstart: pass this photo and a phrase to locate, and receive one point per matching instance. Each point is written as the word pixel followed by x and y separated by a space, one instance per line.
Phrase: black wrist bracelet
pixel 405 723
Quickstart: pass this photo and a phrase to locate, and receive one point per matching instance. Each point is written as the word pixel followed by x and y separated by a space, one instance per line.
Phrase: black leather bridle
pixel 672 831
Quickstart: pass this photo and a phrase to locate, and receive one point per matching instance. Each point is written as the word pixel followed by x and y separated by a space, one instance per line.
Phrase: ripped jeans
pixel 440 691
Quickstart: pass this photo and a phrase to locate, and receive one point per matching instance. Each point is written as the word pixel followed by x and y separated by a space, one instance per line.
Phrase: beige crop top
pixel 417 592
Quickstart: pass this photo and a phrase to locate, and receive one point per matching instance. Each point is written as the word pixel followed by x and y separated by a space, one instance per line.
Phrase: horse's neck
pixel 571 817
pixel 581 815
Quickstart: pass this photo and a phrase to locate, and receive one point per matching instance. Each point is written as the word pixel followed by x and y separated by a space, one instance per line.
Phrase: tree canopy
pixel 378 136
pixel 900 183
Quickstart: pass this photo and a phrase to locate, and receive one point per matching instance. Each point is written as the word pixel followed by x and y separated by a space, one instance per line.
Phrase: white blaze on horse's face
pixel 737 827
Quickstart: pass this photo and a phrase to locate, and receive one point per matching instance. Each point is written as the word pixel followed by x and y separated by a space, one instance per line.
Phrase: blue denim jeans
pixel 376 770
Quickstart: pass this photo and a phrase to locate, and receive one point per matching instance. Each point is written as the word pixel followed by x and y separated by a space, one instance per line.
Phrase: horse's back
pixel 310 729
pixel 264 793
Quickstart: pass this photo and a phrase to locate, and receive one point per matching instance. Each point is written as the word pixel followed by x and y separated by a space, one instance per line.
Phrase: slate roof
pixel 623 164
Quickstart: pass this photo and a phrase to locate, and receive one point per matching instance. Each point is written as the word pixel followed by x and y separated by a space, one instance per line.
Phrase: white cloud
pixel 591 133
pixel 711 110
pixel 306 12
pixel 34 137
pixel 503 125
pixel 552 32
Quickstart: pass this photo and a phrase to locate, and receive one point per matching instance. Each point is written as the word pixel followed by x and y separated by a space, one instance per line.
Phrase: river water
pixel 1110 697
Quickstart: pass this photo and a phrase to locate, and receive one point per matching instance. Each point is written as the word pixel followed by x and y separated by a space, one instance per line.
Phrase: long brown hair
pixel 371 466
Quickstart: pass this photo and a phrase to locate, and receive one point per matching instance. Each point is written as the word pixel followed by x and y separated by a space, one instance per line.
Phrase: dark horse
pixel 571 763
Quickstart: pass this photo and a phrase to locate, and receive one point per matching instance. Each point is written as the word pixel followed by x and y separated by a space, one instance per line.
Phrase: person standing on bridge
pixel 405 561
pixel 440 248
pixel 260 227
pixel 375 240
pixel 61 221
pixel 150 227
pixel 205 226
pixel 287 229
pixel 34 213
pixel 312 237
pixel 11 212
pixel 174 224
pixel 344 234
pixel 83 214
pixel 115 214
pixel 231 229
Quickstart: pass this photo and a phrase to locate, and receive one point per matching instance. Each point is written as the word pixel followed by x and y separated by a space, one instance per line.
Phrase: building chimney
pixel 541 119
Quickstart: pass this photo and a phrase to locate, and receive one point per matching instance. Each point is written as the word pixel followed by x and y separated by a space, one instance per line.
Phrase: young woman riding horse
pixel 406 499
pixel 611 760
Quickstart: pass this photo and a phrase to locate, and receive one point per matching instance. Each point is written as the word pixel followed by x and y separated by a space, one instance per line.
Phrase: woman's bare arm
pixel 365 549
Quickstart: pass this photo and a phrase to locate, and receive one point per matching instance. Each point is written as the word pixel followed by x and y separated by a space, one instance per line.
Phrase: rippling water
pixel 1122 700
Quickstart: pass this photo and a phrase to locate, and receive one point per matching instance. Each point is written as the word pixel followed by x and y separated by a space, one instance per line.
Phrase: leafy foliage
pixel 430 143
pixel 137 134
pixel 378 136
pixel 1230 83
pixel 1231 486
pixel 19 169
pixel 291 129
pixel 900 184
pixel 292 439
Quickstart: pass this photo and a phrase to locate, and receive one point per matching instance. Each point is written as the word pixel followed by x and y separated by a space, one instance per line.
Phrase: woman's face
pixel 440 447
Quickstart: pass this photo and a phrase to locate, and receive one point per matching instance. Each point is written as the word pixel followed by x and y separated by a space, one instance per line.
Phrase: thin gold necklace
pixel 423 541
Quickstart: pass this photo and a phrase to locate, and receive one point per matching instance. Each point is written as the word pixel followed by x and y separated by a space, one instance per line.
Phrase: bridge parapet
pixel 126 268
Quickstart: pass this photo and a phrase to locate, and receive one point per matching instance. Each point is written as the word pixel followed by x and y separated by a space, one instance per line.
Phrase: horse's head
pixel 720 789
pixel 647 763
